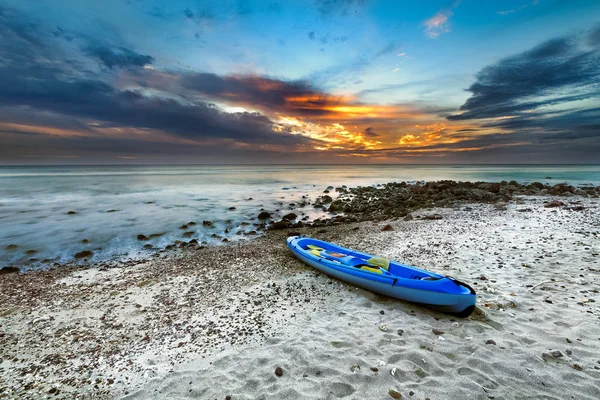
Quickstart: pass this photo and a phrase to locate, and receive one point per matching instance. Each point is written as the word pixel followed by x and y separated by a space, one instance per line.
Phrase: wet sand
pixel 218 321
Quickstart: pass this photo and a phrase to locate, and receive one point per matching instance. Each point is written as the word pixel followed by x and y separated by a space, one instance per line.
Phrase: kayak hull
pixel 401 281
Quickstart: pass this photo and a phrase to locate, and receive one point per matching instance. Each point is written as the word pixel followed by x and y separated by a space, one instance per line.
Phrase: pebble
pixel 383 328
pixel 490 342
pixel 387 228
pixel 437 332
pixel 394 394
pixel 381 312
pixel 278 371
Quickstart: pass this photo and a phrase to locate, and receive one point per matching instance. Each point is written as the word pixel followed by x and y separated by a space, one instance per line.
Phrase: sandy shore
pixel 218 321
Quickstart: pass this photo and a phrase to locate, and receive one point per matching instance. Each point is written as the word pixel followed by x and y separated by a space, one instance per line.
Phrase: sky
pixel 314 81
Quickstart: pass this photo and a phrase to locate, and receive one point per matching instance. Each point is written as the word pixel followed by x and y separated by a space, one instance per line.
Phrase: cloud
pixel 344 7
pixel 370 132
pixel 439 23
pixel 546 96
pixel 118 58
pixel 559 71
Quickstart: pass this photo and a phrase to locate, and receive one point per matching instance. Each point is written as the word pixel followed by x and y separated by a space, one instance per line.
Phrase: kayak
pixel 386 277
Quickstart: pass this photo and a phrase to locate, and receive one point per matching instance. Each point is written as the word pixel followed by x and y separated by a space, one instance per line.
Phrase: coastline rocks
pixel 71 213
pixel 387 228
pixel 283 224
pixel 290 216
pixel 326 199
pixel 11 247
pixel 207 223
pixel 84 254
pixel 432 217
pixel 188 234
pixel 337 206
pixel 264 215
pixel 409 217
pixel 9 270
pixel 142 237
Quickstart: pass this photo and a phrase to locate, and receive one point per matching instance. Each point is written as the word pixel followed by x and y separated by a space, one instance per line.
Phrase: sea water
pixel 115 204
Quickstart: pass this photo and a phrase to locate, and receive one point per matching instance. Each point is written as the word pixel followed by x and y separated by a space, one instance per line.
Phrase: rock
pixel 387 228
pixel 278 371
pixel 490 342
pixel 290 216
pixel 437 332
pixel 524 210
pixel 384 328
pixel 337 206
pixel 111 211
pixel 325 191
pixel 374 369
pixel 326 199
pixel 227 397
pixel 84 241
pixel 84 254
pixel 394 394
pixel 231 208
pixel 207 223
pixel 183 227
pixel 71 213
pixel 432 217
pixel 191 223
pixel 283 224
pixel 382 312
pixel 11 247
pixel 483 278
pixel 554 203
pixel 264 215
pixel 400 332
pixel 577 367
pixel 148 246
pixel 188 234
pixel 409 217
pixel 552 355
pixel 9 270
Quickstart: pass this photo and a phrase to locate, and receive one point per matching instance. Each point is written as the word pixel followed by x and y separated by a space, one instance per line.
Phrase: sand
pixel 217 322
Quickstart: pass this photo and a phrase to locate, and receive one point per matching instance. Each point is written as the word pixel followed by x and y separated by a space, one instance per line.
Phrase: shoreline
pixel 147 329
pixel 338 204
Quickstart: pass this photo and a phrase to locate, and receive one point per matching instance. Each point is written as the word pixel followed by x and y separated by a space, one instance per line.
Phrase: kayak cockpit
pixel 365 262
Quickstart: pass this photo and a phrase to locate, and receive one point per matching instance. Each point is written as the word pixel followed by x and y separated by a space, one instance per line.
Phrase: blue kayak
pixel 386 277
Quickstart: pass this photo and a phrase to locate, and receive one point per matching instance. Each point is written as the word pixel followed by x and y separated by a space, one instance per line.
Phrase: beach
pixel 247 320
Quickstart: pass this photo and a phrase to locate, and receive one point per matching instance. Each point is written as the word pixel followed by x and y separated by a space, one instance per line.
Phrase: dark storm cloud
pixel 536 78
pixel 34 76
pixel 118 58
pixel 295 97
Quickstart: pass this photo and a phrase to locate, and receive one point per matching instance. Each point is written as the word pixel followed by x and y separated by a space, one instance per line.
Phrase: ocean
pixel 111 205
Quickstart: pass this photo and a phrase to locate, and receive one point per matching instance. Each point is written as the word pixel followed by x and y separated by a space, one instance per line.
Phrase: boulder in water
pixel 84 254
